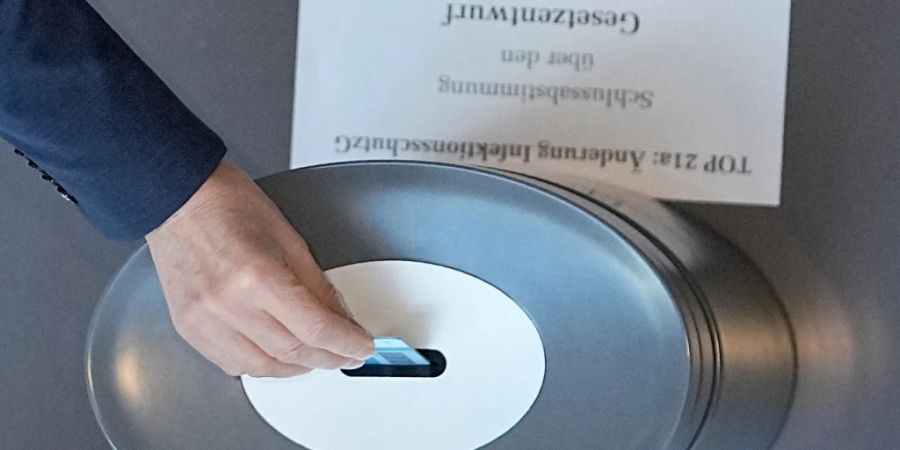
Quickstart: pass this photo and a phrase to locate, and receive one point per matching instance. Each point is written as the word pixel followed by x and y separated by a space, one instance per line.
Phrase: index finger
pixel 316 325
pixel 298 258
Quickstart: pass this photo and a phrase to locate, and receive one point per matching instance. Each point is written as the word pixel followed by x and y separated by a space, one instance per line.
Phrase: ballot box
pixel 565 318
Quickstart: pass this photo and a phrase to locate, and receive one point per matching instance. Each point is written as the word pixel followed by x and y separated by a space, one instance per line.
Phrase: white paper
pixel 676 99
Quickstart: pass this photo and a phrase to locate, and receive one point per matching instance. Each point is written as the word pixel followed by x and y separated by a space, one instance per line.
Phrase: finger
pixel 204 337
pixel 307 270
pixel 346 309
pixel 316 325
pixel 274 339
pixel 257 363
pixel 349 314
pixel 343 304
pixel 234 353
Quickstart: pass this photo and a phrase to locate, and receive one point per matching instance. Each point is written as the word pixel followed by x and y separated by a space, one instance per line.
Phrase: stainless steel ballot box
pixel 568 319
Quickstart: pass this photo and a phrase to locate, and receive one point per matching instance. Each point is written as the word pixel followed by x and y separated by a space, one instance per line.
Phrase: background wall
pixel 832 249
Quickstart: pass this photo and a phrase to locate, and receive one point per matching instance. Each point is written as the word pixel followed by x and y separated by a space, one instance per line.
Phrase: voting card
pixel 392 351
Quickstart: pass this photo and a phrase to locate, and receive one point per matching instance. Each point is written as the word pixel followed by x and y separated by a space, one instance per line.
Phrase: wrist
pixel 201 201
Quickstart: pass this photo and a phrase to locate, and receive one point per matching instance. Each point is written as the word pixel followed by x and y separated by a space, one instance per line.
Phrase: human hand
pixel 243 289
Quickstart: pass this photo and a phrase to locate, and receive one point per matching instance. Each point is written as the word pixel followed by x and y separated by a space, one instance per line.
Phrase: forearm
pixel 80 103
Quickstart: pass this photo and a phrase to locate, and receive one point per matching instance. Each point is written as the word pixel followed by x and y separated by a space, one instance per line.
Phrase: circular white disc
pixel 495 366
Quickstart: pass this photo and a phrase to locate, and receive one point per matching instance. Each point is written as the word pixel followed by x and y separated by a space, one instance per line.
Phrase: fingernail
pixel 366 354
pixel 354 365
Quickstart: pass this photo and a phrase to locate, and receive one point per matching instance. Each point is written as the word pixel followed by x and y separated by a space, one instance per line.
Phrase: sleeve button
pixel 66 195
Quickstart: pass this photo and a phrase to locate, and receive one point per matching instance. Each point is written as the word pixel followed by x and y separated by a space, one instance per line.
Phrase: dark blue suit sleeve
pixel 76 100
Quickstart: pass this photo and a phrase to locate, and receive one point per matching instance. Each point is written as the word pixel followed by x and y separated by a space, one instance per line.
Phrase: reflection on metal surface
pixel 828 355
pixel 128 377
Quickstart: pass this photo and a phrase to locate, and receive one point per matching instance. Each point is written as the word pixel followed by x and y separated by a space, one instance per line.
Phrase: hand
pixel 243 289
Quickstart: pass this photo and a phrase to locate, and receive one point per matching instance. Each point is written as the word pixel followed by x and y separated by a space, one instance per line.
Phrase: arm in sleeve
pixel 84 107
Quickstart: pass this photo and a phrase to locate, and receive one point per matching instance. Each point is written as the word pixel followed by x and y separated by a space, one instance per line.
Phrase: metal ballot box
pixel 566 320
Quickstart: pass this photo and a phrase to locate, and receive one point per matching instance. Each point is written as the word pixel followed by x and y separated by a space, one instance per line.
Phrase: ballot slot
pixel 437 363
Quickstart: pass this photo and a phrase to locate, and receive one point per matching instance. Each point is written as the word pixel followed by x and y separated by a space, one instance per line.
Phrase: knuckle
pixel 304 297
pixel 195 315
pixel 302 245
pixel 180 326
pixel 316 331
pixel 291 352
pixel 331 293
pixel 253 274
pixel 186 321
pixel 231 371
pixel 261 368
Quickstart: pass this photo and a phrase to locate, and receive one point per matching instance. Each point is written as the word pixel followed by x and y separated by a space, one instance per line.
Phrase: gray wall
pixel 831 250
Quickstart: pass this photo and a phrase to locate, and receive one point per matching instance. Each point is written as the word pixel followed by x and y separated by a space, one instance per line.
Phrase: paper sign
pixel 678 99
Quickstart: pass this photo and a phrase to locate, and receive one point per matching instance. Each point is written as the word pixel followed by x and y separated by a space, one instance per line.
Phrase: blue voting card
pixel 392 351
